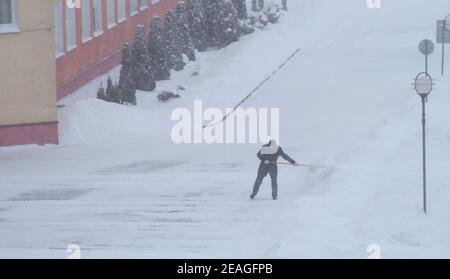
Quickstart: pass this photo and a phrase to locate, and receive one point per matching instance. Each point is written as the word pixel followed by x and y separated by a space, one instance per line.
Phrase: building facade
pixel 49 48
pixel 28 111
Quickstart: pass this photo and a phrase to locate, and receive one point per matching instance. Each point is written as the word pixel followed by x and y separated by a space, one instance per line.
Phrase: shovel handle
pixel 299 165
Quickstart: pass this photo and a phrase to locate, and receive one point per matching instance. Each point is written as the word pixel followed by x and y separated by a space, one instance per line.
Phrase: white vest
pixel 269 150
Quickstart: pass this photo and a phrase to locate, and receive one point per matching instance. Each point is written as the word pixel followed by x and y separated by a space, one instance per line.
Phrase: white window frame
pixel 134 10
pixel 121 7
pixel 111 7
pixel 12 27
pixel 143 4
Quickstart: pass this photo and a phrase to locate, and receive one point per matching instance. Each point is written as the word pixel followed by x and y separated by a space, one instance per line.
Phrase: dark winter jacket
pixel 272 153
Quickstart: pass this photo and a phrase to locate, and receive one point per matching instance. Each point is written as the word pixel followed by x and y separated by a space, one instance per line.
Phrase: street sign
pixel 447 23
pixel 423 84
pixel 426 47
pixel 442 35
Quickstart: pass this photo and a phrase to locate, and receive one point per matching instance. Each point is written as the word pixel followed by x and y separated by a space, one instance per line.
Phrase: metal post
pixel 424 156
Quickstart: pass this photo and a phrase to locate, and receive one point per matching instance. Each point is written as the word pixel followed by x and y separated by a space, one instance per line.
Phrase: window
pixel 111 8
pixel 121 11
pixel 133 7
pixel 71 29
pixel 86 19
pixel 98 23
pixel 59 35
pixel 5 12
pixel 8 16
pixel 143 5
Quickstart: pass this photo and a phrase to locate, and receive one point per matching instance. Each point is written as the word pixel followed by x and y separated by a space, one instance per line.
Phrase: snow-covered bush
pixel 157 52
pixel 101 94
pixel 198 27
pixel 259 20
pixel 257 5
pixel 112 92
pixel 223 22
pixel 284 5
pixel 260 5
pixel 167 95
pixel 254 5
pixel 273 13
pixel 172 38
pixel 142 64
pixel 185 42
pixel 241 8
pixel 245 27
pixel 127 82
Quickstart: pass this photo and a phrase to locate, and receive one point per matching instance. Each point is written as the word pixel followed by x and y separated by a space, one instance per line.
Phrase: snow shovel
pixel 310 167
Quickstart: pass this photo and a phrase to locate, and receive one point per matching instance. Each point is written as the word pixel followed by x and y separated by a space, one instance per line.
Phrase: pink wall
pixel 36 133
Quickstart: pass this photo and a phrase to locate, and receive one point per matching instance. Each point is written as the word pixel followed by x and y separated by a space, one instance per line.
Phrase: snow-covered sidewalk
pixel 121 190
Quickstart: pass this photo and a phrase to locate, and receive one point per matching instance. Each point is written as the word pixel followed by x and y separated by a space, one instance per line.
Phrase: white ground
pixel 119 187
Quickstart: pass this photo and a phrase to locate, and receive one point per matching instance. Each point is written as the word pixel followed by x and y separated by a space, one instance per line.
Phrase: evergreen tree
pixel 171 38
pixel 241 7
pixel 209 7
pixel 254 5
pixel 231 24
pixel 127 82
pixel 260 5
pixel 143 73
pixel 223 22
pixel 101 94
pixel 272 13
pixel 185 41
pixel 198 26
pixel 112 92
pixel 284 4
pixel 156 51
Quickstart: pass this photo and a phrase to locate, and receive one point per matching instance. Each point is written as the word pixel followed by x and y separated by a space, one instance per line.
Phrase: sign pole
pixel 443 47
pixel 424 85
pixel 424 153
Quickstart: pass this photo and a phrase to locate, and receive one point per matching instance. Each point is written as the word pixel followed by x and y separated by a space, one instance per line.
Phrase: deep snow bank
pixel 93 120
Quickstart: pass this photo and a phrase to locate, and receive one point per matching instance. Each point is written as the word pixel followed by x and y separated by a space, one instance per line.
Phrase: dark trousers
pixel 263 170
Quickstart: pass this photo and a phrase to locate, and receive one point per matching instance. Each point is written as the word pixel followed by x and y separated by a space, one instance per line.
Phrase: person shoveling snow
pixel 269 155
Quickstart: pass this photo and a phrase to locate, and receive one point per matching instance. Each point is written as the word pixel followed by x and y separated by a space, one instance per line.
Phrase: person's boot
pixel 252 197
pixel 275 198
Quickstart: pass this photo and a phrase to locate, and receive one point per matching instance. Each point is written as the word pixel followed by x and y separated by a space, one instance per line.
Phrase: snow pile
pixel 97 121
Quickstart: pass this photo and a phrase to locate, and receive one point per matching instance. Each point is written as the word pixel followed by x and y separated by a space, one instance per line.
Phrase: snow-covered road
pixel 125 190
pixel 189 207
